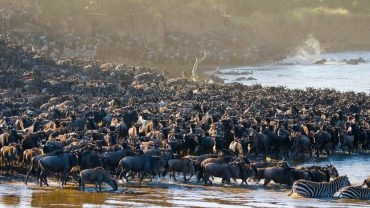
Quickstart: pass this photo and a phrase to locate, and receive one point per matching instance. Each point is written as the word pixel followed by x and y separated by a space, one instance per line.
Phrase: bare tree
pixel 194 72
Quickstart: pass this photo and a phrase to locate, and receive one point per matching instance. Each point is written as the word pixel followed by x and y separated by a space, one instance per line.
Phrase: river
pixel 165 193
pixel 300 72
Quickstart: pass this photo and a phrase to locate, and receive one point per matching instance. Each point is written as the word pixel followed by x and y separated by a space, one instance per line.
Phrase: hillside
pixel 171 34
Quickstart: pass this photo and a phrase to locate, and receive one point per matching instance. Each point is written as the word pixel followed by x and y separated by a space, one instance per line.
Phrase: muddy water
pixel 171 194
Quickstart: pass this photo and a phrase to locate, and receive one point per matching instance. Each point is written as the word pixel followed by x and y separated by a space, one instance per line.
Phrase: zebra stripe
pixel 353 192
pixel 315 189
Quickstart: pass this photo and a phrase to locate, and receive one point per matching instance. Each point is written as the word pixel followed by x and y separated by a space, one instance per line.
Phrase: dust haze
pixel 167 33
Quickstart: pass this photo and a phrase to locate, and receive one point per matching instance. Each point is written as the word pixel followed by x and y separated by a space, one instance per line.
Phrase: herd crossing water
pixel 73 121
pixel 169 193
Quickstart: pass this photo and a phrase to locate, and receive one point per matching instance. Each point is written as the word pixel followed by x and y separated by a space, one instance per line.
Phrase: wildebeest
pixel 88 159
pixel 9 154
pixel 28 154
pixel 347 143
pixel 284 175
pixel 96 176
pixel 35 164
pixel 238 147
pixel 33 140
pixel 142 164
pixel 51 146
pixel 205 145
pixel 321 174
pixel 259 142
pixel 366 182
pixel 8 138
pixel 180 165
pixel 322 142
pixel 111 159
pixel 301 145
pixel 57 164
pixel 222 170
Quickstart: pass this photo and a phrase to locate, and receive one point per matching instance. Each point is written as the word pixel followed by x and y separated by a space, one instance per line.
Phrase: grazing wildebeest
pixel 96 176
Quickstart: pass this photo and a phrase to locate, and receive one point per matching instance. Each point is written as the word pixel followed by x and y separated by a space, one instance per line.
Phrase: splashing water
pixel 307 53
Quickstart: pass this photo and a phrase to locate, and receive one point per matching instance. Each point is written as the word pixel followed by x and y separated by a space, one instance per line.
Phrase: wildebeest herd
pixel 98 122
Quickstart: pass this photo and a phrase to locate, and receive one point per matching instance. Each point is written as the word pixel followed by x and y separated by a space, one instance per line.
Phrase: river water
pixel 165 193
pixel 299 72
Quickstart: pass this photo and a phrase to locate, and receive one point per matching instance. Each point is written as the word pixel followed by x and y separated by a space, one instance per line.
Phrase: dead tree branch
pixel 194 72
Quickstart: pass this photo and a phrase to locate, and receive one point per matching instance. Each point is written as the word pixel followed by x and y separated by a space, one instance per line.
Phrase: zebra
pixel 316 189
pixel 354 192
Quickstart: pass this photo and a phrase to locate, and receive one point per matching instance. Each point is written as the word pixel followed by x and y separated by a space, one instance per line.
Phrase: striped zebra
pixel 316 189
pixel 354 192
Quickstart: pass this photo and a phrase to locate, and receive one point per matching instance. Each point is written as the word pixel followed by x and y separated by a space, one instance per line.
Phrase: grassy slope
pixel 172 32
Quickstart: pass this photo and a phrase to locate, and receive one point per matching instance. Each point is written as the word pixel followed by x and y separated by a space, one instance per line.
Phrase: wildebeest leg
pixel 191 175
pixel 80 184
pixel 40 178
pixel 123 174
pixel 46 180
pixel 327 149
pixel 206 179
pixel 43 177
pixel 142 177
pixel 10 166
pixel 38 172
pixel 28 174
pixel 267 181
pixel 200 175
pixel 64 179
pixel 317 152
pixel 99 186
pixel 132 174
pixel 174 176
pixel 234 179
pixel 184 173
pixel 96 186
